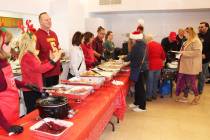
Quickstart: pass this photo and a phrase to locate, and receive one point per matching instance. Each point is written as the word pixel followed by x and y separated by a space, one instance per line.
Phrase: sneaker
pixel 195 100
pixel 149 99
pixel 177 98
pixel 137 109
pixel 132 105
pixel 154 97
pixel 183 100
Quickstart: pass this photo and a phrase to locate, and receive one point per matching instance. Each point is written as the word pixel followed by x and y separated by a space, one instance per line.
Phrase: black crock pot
pixel 54 107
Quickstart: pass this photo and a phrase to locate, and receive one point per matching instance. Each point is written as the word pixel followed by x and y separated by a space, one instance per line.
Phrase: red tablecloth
pixel 93 114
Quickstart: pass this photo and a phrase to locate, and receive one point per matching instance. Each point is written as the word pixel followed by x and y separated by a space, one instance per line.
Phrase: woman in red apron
pixel 9 97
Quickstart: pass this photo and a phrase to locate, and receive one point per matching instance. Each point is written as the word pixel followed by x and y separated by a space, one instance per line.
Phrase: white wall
pixel 135 5
pixel 92 24
pixel 68 16
pixel 25 6
pixel 157 23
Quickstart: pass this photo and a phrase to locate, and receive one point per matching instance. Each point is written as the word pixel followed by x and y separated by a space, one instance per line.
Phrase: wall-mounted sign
pixel 10 22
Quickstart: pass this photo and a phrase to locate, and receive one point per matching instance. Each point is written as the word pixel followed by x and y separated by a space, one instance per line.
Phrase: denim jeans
pixel 152 82
pixel 202 77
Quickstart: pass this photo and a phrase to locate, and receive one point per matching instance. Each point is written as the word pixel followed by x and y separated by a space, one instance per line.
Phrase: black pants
pixel 140 93
pixel 51 81
pixel 30 98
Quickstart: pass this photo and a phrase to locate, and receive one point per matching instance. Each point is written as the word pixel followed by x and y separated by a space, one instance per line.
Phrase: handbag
pixel 71 75
pixel 142 62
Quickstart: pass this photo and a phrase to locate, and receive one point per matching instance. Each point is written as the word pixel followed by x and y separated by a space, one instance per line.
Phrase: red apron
pixel 9 99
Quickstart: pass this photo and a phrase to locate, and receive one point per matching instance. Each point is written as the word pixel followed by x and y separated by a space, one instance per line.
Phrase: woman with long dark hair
pixel 77 59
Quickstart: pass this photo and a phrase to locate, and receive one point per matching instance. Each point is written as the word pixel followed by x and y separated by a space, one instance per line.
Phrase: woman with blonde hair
pixel 190 64
pixel 32 68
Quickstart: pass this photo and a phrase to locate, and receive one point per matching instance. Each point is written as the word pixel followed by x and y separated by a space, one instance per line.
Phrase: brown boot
pixel 177 98
pixel 195 100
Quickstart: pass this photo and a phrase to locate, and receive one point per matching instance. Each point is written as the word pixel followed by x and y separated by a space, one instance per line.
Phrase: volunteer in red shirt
pixel 156 56
pixel 9 97
pixel 47 41
pixel 32 68
pixel 88 51
pixel 98 44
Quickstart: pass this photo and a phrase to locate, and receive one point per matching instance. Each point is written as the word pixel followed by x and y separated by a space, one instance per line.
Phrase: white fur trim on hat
pixel 141 22
pixel 136 36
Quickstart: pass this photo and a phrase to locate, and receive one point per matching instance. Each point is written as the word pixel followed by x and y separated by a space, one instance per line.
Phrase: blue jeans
pixel 152 83
pixel 202 77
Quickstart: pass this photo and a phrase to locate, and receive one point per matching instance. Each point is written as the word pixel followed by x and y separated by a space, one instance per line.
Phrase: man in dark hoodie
pixel 204 35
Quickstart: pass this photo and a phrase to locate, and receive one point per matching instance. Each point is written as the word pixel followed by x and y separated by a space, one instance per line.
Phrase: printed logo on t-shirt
pixel 52 42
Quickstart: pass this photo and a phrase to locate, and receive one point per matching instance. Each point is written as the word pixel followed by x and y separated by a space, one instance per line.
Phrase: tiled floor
pixel 165 119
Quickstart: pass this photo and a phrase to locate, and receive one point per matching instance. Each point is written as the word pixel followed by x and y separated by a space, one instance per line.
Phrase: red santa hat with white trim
pixel 136 35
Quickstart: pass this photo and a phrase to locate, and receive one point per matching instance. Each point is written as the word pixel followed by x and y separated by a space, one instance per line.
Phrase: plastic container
pixel 45 135
pixel 96 82
pixel 71 91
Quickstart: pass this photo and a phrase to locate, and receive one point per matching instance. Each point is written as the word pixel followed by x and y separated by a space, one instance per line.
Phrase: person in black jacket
pixel 138 65
pixel 170 44
pixel 180 38
pixel 204 35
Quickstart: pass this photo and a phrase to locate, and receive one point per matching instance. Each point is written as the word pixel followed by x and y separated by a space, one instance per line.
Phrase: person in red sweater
pixel 9 97
pixel 88 51
pixel 32 68
pixel 156 57
pixel 47 41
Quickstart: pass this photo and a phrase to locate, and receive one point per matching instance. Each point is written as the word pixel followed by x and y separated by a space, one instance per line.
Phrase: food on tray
pixel 51 128
pixel 114 65
pixel 76 91
pixel 83 81
pixel 89 73
pixel 96 82
pixel 68 89
pixel 96 72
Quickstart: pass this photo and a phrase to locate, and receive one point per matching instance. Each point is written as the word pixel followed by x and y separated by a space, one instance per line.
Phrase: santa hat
pixel 136 35
pixel 141 22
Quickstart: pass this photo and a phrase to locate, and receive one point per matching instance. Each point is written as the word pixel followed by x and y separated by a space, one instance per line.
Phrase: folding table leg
pixel 171 82
pixel 118 120
pixel 113 126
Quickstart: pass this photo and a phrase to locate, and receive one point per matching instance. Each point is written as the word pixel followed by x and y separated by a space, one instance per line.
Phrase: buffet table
pixel 94 113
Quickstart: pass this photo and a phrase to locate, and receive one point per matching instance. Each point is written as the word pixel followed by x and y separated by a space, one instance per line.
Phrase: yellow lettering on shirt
pixel 51 39
pixel 52 42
